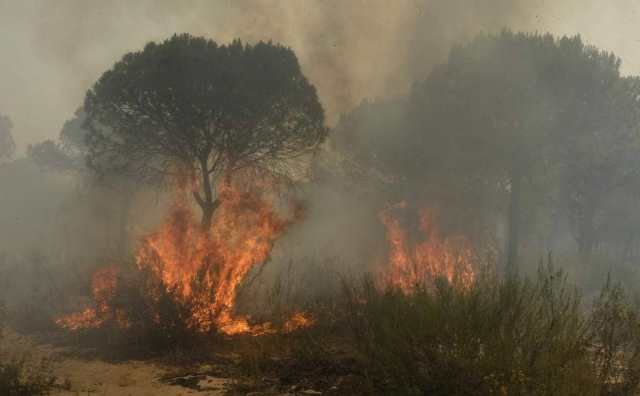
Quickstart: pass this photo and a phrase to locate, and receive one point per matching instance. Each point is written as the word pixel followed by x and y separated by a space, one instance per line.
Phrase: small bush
pixel 156 319
pixel 17 378
pixel 139 317
pixel 615 336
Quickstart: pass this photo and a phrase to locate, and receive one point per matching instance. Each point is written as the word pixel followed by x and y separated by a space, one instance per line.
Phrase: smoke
pixel 53 51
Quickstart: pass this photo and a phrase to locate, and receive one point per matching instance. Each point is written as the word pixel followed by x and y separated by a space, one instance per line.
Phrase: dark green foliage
pixel 191 105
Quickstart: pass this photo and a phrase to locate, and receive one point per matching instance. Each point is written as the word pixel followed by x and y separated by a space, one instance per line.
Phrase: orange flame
pixel 203 267
pixel 103 286
pixel 298 320
pixel 429 259
pixel 208 266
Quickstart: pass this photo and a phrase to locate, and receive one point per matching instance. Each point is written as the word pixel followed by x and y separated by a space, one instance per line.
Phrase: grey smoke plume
pixel 52 51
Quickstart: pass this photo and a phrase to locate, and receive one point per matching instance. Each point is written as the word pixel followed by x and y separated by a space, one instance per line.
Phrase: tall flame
pixel 203 267
pixel 423 262
pixel 208 266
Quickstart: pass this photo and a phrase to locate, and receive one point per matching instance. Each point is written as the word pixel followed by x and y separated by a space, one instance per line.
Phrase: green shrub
pixel 516 336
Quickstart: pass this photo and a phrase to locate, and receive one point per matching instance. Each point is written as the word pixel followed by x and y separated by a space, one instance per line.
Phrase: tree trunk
pixel 207 203
pixel 513 237
pixel 123 221
pixel 207 216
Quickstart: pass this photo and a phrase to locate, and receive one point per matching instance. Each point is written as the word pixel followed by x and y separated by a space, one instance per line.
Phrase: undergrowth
pixel 516 336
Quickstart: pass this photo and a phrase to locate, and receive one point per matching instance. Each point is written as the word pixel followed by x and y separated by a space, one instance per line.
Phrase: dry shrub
pixel 22 376
pixel 143 319
pixel 615 335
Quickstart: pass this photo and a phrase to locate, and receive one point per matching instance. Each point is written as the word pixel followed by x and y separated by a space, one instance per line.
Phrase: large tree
pixel 7 145
pixel 489 105
pixel 599 153
pixel 543 129
pixel 191 107
pixel 501 107
pixel 68 154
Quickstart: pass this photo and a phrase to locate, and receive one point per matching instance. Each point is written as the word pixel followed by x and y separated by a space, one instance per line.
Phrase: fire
pixel 298 320
pixel 208 266
pixel 103 286
pixel 423 262
pixel 203 268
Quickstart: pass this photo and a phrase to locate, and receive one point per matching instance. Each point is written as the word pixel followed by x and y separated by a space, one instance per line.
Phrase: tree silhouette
pixel 191 107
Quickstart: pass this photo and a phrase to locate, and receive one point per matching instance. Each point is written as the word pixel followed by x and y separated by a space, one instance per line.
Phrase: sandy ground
pixel 96 377
pixel 130 378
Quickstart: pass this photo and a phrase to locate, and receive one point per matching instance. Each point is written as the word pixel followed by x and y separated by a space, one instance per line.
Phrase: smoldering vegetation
pixel 468 225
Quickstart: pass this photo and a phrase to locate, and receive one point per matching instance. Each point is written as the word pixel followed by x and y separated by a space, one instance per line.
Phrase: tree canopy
pixel 537 120
pixel 69 152
pixel 191 106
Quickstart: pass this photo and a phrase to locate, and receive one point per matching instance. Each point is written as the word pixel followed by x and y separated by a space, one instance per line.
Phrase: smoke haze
pixel 54 51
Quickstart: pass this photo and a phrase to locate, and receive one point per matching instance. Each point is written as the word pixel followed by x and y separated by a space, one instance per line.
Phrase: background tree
pixel 489 103
pixel 537 128
pixel 69 152
pixel 113 192
pixel 7 145
pixel 191 107
pixel 387 142
pixel 506 102
pixel 599 152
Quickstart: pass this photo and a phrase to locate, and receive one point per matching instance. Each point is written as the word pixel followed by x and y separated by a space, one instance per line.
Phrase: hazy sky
pixel 53 50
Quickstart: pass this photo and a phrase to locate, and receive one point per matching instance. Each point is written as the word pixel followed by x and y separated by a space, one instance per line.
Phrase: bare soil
pixel 76 375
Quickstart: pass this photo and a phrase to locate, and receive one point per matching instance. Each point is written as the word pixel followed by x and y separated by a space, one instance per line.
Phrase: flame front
pixel 208 266
pixel 423 262
pixel 202 268
pixel 103 287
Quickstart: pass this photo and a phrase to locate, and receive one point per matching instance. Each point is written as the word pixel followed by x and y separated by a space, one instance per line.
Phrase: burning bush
pixel 186 278
pixel 151 316
pixel 415 263
pixel 206 267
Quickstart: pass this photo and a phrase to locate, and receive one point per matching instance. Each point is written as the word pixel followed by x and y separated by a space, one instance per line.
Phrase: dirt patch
pixel 76 375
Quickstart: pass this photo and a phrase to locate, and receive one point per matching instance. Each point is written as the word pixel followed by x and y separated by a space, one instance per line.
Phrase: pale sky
pixel 53 50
